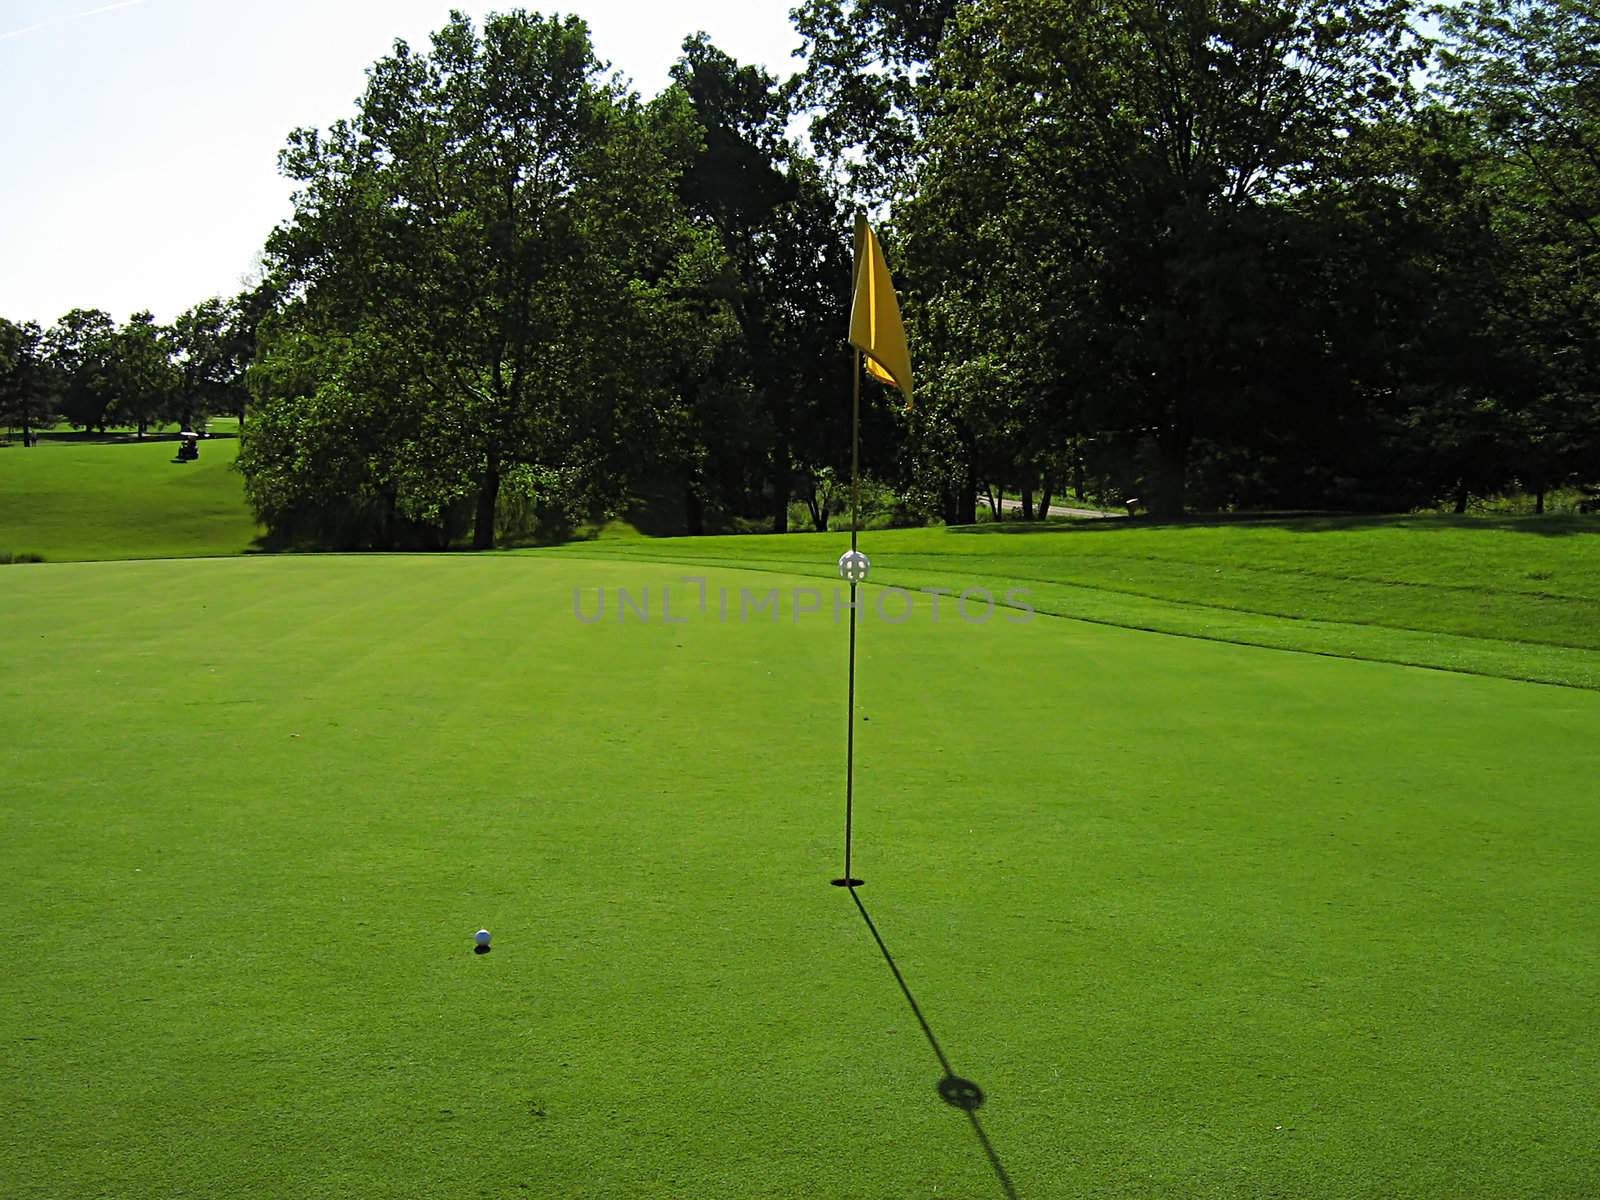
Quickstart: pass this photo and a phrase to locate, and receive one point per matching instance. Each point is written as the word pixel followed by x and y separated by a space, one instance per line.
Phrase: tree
pixel 333 437
pixel 247 311
pixel 781 229
pixel 477 257
pixel 1129 178
pixel 212 350
pixel 27 384
pixel 80 346
pixel 1526 70
pixel 139 374
pixel 870 81
pixel 1523 73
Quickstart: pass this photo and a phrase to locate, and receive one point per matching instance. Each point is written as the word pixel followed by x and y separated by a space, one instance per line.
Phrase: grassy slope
pixel 1243 924
pixel 70 499
pixel 1517 597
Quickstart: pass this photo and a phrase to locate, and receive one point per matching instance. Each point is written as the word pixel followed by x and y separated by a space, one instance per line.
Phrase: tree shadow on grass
pixel 118 437
pixel 1548 525
pixel 954 1090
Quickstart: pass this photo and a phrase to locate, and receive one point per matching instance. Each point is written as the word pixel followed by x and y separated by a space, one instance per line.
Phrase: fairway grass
pixel 1514 597
pixel 1202 919
pixel 72 499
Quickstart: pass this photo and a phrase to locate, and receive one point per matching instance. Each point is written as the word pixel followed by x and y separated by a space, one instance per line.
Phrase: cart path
pixel 1057 510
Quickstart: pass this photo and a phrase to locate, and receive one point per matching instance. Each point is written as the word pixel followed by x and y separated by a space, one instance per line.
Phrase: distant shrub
pixel 1578 499
pixel 26 556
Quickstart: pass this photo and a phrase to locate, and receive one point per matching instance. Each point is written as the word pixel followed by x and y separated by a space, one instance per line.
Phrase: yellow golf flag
pixel 875 327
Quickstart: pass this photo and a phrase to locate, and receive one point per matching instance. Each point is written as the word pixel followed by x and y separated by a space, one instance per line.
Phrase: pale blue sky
pixel 139 142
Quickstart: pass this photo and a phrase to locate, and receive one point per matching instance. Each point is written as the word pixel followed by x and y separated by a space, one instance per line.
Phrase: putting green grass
pixel 70 498
pixel 1202 919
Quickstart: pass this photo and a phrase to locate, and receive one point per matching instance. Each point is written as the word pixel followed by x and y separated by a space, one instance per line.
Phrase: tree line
pixel 1290 254
pixel 516 295
pixel 93 374
pixel 1253 253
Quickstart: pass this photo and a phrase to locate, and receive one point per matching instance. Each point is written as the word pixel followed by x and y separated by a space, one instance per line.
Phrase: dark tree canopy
pixel 1205 253
pixel 28 386
pixel 780 229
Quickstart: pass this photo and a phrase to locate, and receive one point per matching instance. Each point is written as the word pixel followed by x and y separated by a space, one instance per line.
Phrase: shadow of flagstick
pixel 953 1090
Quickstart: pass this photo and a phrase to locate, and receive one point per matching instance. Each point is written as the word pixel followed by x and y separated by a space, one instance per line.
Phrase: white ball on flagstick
pixel 854 566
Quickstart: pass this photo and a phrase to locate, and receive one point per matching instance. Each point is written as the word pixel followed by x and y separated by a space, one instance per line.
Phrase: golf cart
pixel 188 446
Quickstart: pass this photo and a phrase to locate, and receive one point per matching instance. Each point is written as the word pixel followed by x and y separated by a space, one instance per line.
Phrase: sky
pixel 138 154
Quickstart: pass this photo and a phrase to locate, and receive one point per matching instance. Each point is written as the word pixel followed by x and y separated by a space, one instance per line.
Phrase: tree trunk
pixel 143 425
pixel 1172 446
pixel 1461 499
pixel 1044 500
pixel 994 501
pixel 1538 502
pixel 967 501
pixel 782 488
pixel 818 507
pixel 694 511
pixel 383 536
pixel 1027 504
pixel 488 498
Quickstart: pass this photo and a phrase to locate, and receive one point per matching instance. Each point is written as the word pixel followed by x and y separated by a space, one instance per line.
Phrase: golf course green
pixel 1211 892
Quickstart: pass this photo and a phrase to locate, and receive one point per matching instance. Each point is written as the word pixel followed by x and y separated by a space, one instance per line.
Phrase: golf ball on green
pixel 481 937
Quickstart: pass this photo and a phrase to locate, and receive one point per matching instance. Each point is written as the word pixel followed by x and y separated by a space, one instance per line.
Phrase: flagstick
pixel 850 881
pixel 855 456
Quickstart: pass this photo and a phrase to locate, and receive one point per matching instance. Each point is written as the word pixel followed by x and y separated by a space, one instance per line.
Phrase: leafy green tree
pixel 475 264
pixel 81 345
pixel 1523 73
pixel 27 383
pixel 781 230
pixel 329 453
pixel 1462 375
pixel 1127 179
pixel 1526 69
pixel 247 311
pixel 212 350
pixel 140 377
pixel 870 83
